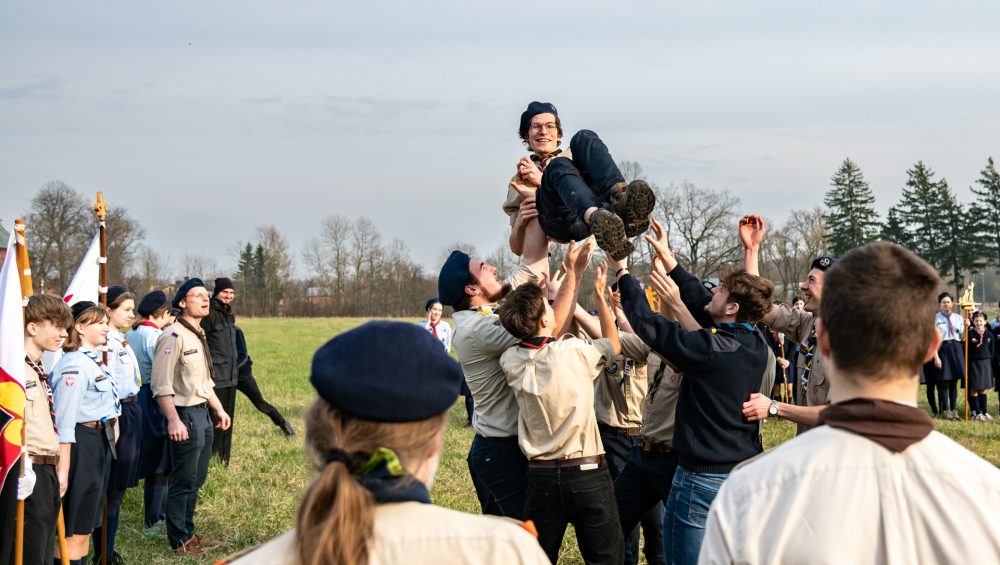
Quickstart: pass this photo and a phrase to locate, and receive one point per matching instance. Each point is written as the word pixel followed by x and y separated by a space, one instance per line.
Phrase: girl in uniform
pixel 981 351
pixel 948 366
pixel 87 409
pixel 435 325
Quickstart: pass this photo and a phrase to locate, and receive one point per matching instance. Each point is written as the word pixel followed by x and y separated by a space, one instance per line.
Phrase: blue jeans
pixel 499 473
pixel 691 494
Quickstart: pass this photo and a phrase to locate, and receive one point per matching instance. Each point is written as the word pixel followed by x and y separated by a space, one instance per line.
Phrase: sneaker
pixel 157 530
pixel 189 548
pixel 610 234
pixel 286 428
pixel 204 543
pixel 953 415
pixel 633 204
pixel 987 417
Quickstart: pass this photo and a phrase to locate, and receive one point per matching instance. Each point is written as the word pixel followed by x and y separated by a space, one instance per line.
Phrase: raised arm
pixel 608 329
pixel 752 230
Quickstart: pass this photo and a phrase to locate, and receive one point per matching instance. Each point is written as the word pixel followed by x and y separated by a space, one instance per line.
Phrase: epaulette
pixel 175 334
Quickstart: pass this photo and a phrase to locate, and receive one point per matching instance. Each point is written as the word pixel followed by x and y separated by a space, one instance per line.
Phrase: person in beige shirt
pixel 874 483
pixel 553 382
pixel 183 388
pixel 376 443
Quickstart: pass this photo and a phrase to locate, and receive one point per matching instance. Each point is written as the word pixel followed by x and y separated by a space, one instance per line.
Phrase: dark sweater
pixel 722 366
pixel 220 331
pixel 981 351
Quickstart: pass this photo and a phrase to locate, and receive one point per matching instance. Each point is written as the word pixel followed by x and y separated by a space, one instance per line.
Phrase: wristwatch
pixel 773 409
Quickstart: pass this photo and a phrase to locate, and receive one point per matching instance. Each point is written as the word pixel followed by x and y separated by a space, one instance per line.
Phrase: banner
pixel 11 361
pixel 85 283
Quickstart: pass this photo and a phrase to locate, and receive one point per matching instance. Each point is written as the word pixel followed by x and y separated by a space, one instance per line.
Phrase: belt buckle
pixel 589 466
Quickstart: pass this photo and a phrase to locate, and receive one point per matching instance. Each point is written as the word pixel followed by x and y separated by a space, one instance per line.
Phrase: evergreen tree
pixel 894 230
pixel 924 214
pixel 986 212
pixel 850 213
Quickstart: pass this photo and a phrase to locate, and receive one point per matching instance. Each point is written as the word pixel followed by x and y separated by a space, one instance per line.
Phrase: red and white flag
pixel 84 285
pixel 11 361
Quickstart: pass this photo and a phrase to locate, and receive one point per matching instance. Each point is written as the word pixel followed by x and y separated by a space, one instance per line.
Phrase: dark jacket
pixel 220 330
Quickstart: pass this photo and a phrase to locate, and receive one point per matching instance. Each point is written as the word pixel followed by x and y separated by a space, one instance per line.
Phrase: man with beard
pixel 220 331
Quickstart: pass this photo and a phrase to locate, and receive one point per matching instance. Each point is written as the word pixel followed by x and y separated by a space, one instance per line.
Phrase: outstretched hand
pixel 578 257
pixel 665 287
pixel 752 230
pixel 600 280
pixel 661 244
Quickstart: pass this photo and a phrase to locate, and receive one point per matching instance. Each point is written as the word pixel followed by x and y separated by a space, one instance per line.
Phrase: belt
pixel 654 447
pixel 569 464
pixel 128 399
pixel 630 432
pixel 99 425
pixel 44 459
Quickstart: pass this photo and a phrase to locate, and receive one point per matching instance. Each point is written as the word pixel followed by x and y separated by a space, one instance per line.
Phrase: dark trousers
pixel 586 499
pixel 222 443
pixel 188 470
pixel 570 187
pixel 498 469
pixel 8 512
pixel 247 384
pixel 154 492
pixel 41 510
pixel 644 484
pixel 618 450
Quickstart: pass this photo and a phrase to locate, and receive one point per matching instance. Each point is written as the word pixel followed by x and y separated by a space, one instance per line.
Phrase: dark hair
pixel 752 293
pixel 523 131
pixel 944 295
pixel 465 302
pixel 47 308
pixel 979 314
pixel 121 298
pixel 523 310
pixel 797 298
pixel 431 302
pixel 874 341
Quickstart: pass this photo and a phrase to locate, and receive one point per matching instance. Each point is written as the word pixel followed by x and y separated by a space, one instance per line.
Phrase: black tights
pixel 947 394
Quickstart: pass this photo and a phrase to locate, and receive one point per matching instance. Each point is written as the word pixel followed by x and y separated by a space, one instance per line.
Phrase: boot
pixel 610 234
pixel 633 204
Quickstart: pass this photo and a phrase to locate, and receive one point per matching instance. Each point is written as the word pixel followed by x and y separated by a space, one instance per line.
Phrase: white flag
pixel 11 360
pixel 84 285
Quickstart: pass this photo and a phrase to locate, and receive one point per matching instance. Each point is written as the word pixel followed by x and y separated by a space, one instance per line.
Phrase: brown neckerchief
pixel 891 425
pixel 204 343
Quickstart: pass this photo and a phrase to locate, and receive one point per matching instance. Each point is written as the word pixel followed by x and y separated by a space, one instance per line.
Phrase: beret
pixel 431 302
pixel 222 283
pixel 709 285
pixel 533 110
pixel 114 292
pixel 386 371
pixel 453 278
pixel 81 307
pixel 152 302
pixel 823 263
pixel 184 289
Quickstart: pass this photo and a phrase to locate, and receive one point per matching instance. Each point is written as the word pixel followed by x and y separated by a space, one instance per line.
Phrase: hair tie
pixel 337 454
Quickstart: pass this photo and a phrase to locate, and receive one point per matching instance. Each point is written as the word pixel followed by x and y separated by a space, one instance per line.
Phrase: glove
pixel 26 484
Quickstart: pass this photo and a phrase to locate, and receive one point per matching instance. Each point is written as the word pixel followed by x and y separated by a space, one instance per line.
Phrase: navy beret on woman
pixel 386 372
pixel 152 302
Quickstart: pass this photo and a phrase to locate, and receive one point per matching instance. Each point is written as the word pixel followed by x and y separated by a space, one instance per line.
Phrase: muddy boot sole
pixel 609 231
pixel 634 205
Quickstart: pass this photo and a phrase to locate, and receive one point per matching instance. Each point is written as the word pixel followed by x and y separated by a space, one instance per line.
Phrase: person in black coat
pixel 220 331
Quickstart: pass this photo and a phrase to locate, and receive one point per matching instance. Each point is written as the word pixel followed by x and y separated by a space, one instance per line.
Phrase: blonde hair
pixel 89 316
pixel 336 519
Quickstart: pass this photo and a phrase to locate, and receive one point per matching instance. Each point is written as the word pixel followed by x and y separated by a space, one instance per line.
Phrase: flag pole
pixel 968 304
pixel 24 275
pixel 101 210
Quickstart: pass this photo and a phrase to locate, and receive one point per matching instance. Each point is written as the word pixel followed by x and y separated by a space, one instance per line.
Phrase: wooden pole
pixel 61 532
pixel 24 276
pixel 101 210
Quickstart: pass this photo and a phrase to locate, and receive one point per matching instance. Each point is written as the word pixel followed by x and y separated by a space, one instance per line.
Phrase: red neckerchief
pixel 434 327
pixel 982 337
pixel 149 324
pixel 537 342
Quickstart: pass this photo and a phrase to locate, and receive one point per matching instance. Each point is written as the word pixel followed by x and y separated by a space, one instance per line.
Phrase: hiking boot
pixel 190 548
pixel 610 234
pixel 204 543
pixel 286 428
pixel 633 204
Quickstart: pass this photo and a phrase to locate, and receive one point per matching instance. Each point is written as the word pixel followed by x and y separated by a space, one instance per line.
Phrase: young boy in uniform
pixel 553 382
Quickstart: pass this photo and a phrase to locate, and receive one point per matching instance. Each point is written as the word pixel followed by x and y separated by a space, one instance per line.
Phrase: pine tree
pixel 923 213
pixel 894 230
pixel 850 213
pixel 986 211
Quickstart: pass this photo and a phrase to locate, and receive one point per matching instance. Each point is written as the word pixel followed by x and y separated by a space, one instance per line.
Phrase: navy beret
pixel 453 278
pixel 81 307
pixel 386 372
pixel 431 302
pixel 184 289
pixel 823 263
pixel 222 283
pixel 533 110
pixel 152 302
pixel 114 292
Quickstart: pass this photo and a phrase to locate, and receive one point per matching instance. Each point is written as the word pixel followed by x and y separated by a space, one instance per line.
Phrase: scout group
pixel 157 408
pixel 627 419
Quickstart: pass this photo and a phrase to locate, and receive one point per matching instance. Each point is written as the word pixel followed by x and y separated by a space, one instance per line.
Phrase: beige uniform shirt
pixel 617 399
pixel 797 326
pixel 39 432
pixel 181 367
pixel 830 496
pixel 479 340
pixel 417 534
pixel 554 387
pixel 512 204
pixel 660 406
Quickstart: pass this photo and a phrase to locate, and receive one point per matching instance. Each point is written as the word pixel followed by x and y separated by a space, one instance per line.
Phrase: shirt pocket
pixel 106 384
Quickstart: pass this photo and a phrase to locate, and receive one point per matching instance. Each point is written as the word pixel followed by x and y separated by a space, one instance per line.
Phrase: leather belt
pixel 128 399
pixel 630 432
pixel 99 425
pixel 569 464
pixel 653 447
pixel 44 459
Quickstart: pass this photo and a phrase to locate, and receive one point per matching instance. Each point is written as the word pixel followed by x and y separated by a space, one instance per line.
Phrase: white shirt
pixel 443 333
pixel 952 332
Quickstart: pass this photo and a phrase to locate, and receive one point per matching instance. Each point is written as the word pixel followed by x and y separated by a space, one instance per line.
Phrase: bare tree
pixel 200 266
pixel 503 259
pixel 123 238
pixel 149 271
pixel 631 170
pixel 460 246
pixel 60 226
pixel 702 226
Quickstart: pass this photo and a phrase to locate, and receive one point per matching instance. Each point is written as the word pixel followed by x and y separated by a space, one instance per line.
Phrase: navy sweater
pixel 722 366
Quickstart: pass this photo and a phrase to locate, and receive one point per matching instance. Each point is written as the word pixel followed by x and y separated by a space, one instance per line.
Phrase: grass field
pixel 256 497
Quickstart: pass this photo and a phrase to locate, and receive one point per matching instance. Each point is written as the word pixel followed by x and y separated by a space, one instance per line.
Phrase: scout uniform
pixel 813 388
pixel 42 442
pixel 87 407
pixel 182 369
pixel 568 478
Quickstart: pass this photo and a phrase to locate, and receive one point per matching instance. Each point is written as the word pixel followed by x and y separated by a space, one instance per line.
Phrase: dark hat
pixel 709 285
pixel 453 278
pixel 114 292
pixel 152 302
pixel 184 289
pixel 533 110
pixel 82 306
pixel 823 263
pixel 386 372
pixel 431 302
pixel 222 283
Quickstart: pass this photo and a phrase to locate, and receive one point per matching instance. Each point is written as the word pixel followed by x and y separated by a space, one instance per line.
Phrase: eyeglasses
pixel 551 126
pixel 199 295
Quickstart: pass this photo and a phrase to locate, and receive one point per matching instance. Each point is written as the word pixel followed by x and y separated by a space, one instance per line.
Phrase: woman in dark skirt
pixel 943 372
pixel 981 351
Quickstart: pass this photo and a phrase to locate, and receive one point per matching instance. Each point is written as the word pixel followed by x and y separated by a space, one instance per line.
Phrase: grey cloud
pixel 42 89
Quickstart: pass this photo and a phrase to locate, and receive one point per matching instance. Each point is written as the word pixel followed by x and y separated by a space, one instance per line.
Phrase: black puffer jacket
pixel 220 330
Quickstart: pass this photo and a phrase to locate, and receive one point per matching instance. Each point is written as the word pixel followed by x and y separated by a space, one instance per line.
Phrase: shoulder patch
pixel 175 334
pixel 168 350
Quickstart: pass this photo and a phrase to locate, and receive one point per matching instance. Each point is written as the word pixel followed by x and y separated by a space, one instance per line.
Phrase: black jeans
pixel 586 499
pixel 188 471
pixel 222 441
pixel 41 510
pixel 618 450
pixel 570 187
pixel 499 469
pixel 247 384
pixel 644 484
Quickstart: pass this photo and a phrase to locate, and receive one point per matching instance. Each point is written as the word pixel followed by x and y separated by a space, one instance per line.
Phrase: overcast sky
pixel 207 119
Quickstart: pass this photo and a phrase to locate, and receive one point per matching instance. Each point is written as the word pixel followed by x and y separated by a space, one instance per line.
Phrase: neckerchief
pixel 542 163
pixel 44 379
pixel 382 474
pixel 434 328
pixel 810 349
pixel 657 378
pixel 537 342
pixel 982 337
pixel 891 425
pixel 104 369
pixel 204 343
pixel 149 324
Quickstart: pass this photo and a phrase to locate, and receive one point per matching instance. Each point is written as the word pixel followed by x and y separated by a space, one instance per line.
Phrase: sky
pixel 207 120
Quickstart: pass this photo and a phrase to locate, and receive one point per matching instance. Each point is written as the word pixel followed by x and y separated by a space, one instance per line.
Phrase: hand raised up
pixel 752 230
pixel 661 245
pixel 600 280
